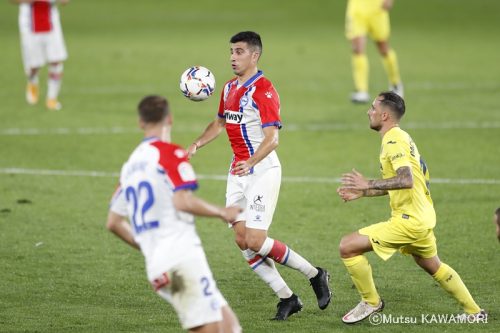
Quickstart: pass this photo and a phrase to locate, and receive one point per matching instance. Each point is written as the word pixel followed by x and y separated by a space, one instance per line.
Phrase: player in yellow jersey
pixel 405 178
pixel 370 17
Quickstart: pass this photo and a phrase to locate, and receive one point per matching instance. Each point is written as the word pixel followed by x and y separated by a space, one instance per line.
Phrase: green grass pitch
pixel 61 271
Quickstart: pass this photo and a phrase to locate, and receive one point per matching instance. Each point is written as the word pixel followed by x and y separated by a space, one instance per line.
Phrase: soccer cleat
pixel 362 311
pixel 481 316
pixel 320 286
pixel 32 92
pixel 53 104
pixel 397 89
pixel 287 307
pixel 360 97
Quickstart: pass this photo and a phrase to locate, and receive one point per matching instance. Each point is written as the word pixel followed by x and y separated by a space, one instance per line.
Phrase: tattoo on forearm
pixel 374 193
pixel 403 179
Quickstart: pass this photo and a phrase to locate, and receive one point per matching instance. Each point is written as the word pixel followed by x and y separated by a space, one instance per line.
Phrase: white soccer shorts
pixel 257 194
pixel 193 293
pixel 38 49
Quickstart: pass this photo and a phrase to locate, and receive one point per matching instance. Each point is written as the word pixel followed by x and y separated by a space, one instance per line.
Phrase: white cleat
pixel 480 317
pixel 362 311
pixel 360 97
pixel 397 89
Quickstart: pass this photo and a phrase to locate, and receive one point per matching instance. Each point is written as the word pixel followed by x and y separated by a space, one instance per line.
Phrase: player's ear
pixel 256 56
pixel 141 123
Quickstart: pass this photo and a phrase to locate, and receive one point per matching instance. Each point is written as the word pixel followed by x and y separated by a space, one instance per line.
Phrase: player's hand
pixel 354 181
pixel 192 149
pixel 229 214
pixel 242 168
pixel 347 194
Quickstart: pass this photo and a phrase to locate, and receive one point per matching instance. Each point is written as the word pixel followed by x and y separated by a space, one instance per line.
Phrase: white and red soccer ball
pixel 197 83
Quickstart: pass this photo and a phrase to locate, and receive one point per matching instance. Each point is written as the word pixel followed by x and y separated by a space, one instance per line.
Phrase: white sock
pixel 282 254
pixel 266 270
pixel 55 79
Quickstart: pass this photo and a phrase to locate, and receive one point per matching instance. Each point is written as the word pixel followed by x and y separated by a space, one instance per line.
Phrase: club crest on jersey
pixel 243 101
pixel 233 117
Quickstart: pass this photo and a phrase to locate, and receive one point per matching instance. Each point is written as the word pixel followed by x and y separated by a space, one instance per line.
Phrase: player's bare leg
pixel 352 247
pixel 230 323
pixel 32 87
pixel 360 70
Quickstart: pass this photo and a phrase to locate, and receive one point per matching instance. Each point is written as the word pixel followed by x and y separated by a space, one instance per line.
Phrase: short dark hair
pixel 394 102
pixel 153 109
pixel 249 37
pixel 497 212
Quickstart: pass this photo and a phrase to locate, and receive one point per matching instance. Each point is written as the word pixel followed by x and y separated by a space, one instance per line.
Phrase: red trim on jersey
pixel 171 156
pixel 257 93
pixel 41 19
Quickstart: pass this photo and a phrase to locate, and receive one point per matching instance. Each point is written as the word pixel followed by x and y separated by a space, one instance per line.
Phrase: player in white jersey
pixel 155 194
pixel 250 112
pixel 42 43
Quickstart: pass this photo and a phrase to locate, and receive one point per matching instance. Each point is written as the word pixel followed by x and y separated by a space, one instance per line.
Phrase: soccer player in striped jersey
pixel 156 196
pixel 42 43
pixel 249 111
pixel 405 178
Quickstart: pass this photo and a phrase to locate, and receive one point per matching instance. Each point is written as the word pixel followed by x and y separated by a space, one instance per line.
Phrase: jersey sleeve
pixel 268 103
pixel 178 170
pixel 118 202
pixel 220 113
pixel 398 153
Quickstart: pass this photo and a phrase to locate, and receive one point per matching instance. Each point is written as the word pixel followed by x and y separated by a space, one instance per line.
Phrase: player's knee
pixel 345 248
pixel 254 242
pixel 240 241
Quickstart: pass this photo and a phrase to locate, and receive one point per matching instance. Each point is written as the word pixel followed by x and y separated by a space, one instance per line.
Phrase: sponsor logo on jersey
pixel 269 94
pixel 257 204
pixel 233 117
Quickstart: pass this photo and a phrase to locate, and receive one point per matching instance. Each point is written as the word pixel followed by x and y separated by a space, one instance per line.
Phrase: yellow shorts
pixel 390 236
pixel 361 21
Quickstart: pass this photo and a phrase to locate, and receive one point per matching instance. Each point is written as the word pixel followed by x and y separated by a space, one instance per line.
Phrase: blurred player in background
pixel 496 220
pixel 405 178
pixel 370 17
pixel 250 112
pixel 42 42
pixel 155 193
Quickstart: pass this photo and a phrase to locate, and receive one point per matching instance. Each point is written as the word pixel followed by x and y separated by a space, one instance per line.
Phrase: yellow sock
pixel 361 275
pixel 360 72
pixel 391 67
pixel 452 283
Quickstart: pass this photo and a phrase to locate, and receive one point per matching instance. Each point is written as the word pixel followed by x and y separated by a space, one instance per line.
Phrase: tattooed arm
pixel 355 185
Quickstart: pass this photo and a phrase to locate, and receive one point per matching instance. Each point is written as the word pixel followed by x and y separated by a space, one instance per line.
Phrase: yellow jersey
pixel 415 204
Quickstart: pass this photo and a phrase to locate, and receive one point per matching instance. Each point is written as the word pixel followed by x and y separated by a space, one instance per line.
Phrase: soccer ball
pixel 197 83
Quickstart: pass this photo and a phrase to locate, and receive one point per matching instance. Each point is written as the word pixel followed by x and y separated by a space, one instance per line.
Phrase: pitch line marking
pixel 288 127
pixel 320 180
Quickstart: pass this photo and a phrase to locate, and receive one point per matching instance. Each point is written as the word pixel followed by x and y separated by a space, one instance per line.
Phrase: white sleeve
pixel 118 202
